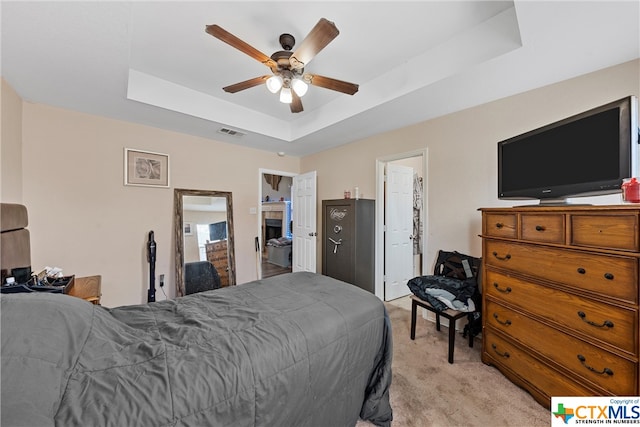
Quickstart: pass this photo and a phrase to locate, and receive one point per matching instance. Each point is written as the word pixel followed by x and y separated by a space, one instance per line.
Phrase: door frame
pixel 261 172
pixel 380 207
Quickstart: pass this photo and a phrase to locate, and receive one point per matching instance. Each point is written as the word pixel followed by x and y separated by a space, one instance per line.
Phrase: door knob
pixel 313 234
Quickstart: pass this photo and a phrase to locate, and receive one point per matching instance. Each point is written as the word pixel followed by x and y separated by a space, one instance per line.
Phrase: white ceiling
pixel 153 63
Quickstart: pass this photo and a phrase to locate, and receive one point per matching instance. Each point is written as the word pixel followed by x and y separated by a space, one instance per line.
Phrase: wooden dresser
pixel 217 255
pixel 560 298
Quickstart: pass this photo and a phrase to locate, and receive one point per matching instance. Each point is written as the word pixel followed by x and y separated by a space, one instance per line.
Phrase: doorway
pixel 301 224
pixel 416 160
pixel 275 218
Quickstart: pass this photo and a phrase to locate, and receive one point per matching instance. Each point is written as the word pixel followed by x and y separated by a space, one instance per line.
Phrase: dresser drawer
pixel 608 275
pixel 220 245
pixel 543 228
pixel 549 381
pixel 606 369
pixel 605 322
pixel 606 231
pixel 501 225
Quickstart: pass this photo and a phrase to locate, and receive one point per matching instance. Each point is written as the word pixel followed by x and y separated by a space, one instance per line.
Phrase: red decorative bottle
pixel 631 191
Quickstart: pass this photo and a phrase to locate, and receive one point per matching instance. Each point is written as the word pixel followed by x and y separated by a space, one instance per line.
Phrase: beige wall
pixel 462 153
pixel 84 220
pixel 11 146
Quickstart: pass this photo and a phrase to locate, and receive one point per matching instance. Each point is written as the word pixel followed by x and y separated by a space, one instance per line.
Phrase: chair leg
pixel 469 318
pixel 414 309
pixel 452 338
pixel 452 326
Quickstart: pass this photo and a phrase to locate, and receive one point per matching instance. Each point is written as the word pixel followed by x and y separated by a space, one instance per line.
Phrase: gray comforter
pixel 294 350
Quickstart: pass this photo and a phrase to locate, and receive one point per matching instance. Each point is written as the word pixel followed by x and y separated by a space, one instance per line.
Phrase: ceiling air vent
pixel 231 132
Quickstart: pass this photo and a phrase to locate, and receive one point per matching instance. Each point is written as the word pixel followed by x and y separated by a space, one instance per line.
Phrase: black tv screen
pixel 218 231
pixel 587 154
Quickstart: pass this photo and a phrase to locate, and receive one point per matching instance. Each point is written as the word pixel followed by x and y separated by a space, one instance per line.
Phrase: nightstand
pixel 88 288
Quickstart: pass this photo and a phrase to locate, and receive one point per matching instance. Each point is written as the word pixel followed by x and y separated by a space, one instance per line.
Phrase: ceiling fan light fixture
pixel 286 65
pixel 274 83
pixel 299 87
pixel 285 95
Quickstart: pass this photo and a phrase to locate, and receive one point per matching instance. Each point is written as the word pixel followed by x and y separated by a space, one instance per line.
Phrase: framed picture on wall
pixel 146 168
pixel 188 229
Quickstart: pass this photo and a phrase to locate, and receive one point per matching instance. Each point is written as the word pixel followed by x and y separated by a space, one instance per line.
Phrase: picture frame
pixel 188 229
pixel 146 168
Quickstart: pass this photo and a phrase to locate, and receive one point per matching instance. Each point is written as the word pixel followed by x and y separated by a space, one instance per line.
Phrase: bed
pixel 300 349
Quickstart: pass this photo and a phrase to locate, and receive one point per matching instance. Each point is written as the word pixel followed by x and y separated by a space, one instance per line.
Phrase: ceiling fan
pixel 287 67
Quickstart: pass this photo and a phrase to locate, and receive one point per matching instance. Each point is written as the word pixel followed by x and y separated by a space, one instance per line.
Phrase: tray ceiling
pixel 153 63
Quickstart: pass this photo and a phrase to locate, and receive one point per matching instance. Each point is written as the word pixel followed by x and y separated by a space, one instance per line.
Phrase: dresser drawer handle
pixel 605 324
pixel 540 228
pixel 504 291
pixel 499 225
pixel 506 354
pixel 608 276
pixel 504 258
pixel 506 322
pixel 583 360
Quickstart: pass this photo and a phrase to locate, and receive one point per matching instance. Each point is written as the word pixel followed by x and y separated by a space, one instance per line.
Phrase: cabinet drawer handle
pixel 504 258
pixel 499 225
pixel 506 322
pixel 608 276
pixel 506 354
pixel 540 228
pixel 583 360
pixel 581 270
pixel 504 291
pixel 605 324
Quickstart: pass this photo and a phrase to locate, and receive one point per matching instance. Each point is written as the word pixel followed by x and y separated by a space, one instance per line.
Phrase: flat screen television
pixel 583 155
pixel 218 231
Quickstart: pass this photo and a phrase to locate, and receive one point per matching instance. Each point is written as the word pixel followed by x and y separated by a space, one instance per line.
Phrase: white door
pixel 398 246
pixel 304 222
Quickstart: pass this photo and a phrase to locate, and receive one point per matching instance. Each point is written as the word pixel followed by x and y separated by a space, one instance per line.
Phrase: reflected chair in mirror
pixel 200 276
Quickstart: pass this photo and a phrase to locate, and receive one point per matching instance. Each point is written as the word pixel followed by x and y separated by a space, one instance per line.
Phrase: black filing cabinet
pixel 348 241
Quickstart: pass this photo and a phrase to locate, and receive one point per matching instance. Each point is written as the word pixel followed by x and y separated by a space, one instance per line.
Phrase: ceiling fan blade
pixel 245 84
pixel 233 41
pixel 333 84
pixel 317 39
pixel 296 103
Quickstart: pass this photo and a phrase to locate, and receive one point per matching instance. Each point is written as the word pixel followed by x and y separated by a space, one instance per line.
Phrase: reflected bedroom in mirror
pixel 204 241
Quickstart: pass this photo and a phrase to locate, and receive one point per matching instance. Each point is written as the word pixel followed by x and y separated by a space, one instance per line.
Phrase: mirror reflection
pixel 204 240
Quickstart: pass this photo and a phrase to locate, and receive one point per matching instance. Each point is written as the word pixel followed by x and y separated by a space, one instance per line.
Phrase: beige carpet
pixel 428 391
